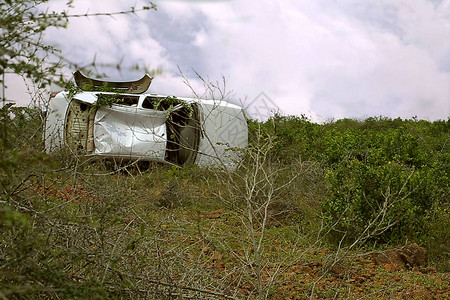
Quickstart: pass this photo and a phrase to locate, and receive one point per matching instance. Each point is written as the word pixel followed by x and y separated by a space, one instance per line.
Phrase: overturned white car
pixel 127 123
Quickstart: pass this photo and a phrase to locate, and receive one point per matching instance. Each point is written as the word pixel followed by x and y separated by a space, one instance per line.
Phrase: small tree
pixel 253 192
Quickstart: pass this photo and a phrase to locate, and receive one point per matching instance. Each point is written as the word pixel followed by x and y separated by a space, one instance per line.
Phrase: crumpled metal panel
pixel 130 132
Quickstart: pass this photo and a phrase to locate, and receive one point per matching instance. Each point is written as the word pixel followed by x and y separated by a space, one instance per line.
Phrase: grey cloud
pixel 345 58
pixel 176 35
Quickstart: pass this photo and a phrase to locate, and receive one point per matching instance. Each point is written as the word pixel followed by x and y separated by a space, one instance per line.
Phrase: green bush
pixel 385 180
pixel 388 178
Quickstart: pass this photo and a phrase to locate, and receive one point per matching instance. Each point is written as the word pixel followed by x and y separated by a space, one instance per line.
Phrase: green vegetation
pixel 168 104
pixel 388 179
pixel 292 221
pixel 71 227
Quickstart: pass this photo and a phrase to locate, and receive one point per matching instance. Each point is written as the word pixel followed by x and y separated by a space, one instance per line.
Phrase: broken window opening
pixel 110 99
pixel 161 103
pixel 183 135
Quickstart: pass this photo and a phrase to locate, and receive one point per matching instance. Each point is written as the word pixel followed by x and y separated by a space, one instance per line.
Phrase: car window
pixel 127 100
pixel 160 103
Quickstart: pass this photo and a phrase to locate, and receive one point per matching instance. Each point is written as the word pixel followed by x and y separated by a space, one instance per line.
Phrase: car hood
pixel 129 132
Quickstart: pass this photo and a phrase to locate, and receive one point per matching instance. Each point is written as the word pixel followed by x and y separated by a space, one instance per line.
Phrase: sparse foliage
pixel 23 50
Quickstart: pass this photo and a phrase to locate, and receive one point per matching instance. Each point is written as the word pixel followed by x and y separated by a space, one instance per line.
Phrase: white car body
pixel 192 131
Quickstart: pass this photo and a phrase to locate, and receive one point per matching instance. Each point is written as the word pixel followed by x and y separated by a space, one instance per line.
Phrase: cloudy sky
pixel 323 58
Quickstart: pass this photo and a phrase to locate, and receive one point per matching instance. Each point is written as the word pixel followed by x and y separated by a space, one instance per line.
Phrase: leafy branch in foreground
pixel 22 48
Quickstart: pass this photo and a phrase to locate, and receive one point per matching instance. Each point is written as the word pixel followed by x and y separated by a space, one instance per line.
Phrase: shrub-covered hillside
pixel 388 179
pixel 298 219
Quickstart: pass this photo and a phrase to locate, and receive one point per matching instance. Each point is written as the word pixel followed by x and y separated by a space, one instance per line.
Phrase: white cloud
pixel 346 58
pixel 377 59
